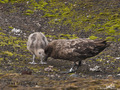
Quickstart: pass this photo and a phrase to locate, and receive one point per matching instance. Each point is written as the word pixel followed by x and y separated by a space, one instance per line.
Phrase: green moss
pixel 4 1
pixel 112 31
pixel 1 33
pixel 67 36
pixel 10 27
pixel 0 28
pixel 93 25
pixel 110 38
pixel 28 14
pixel 104 13
pixel 93 37
pixel 49 15
pixel 118 68
pixel 115 16
pixel 3 44
pixel 101 29
pixel 63 36
pixel 119 39
pixel 61 14
pixel 8 53
pixel 50 36
pixel 29 11
pixel 116 26
pixel 100 60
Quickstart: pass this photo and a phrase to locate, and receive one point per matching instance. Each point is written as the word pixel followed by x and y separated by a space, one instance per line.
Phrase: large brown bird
pixel 74 50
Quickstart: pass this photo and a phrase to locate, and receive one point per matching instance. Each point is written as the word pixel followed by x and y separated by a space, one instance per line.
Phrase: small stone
pixel 117 58
pixel 118 74
pixel 96 69
pixel 49 69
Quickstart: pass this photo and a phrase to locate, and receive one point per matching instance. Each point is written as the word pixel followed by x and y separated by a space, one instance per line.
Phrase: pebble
pixel 16 31
pixel 49 69
pixel 118 74
pixel 117 58
pixel 96 69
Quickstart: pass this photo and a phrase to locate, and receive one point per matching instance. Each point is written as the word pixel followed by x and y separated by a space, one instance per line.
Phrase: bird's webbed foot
pixel 74 68
pixel 69 71
pixel 32 63
pixel 43 62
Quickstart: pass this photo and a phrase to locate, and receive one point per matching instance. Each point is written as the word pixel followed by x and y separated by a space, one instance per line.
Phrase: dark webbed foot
pixel 73 69
pixel 66 72
pixel 69 71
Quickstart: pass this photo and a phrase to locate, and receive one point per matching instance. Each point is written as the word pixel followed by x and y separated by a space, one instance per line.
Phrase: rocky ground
pixel 96 73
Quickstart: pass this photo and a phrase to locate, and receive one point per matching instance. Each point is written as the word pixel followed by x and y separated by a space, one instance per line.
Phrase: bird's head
pixel 40 53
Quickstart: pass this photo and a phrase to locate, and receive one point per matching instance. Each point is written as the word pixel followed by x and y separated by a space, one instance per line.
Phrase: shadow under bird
pixel 74 50
pixel 36 44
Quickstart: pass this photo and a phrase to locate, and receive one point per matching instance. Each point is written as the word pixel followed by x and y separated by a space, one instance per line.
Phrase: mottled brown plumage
pixel 74 49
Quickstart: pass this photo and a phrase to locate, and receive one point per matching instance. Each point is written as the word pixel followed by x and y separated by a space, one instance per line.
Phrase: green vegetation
pixel 8 53
pixel 110 38
pixel 4 1
pixel 62 13
pixel 93 37
pixel 14 44
pixel 62 36
pixel 10 27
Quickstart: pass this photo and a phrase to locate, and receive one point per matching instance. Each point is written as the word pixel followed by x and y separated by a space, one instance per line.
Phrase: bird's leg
pixel 45 58
pixel 75 67
pixel 33 62
pixel 79 64
pixel 72 68
pixel 41 62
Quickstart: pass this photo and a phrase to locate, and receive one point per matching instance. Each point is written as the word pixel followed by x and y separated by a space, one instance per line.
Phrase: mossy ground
pixel 58 19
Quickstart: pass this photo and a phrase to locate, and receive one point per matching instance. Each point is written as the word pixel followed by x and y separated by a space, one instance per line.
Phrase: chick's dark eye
pixel 39 52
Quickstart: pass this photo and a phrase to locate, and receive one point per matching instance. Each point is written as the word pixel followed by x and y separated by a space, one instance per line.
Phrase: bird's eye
pixel 39 52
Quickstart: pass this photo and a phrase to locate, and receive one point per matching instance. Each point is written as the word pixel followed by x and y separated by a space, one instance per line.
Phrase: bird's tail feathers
pixel 103 42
